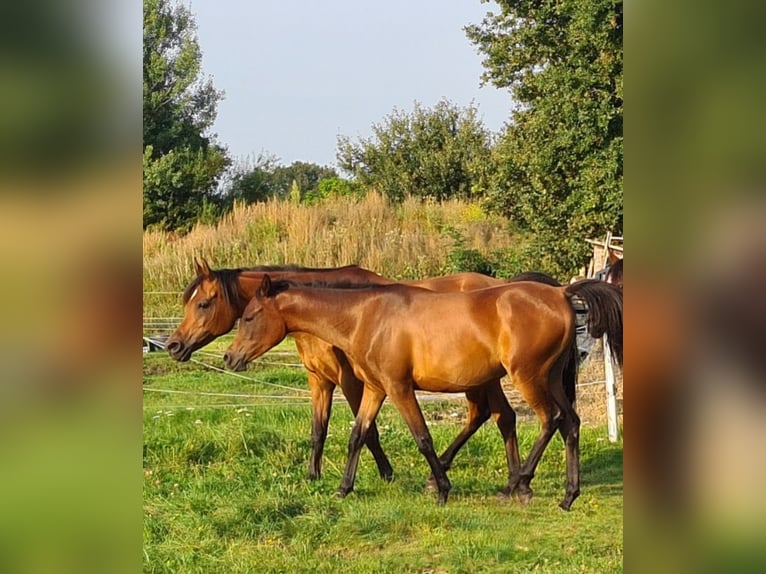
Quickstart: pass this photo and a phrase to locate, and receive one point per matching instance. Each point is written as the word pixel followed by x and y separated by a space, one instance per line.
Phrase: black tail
pixel 570 373
pixel 604 302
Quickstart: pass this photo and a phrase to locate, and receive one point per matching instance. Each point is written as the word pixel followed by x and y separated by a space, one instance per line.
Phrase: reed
pixel 410 240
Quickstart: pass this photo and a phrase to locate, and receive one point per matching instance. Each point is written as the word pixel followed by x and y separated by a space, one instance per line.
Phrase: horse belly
pixel 456 380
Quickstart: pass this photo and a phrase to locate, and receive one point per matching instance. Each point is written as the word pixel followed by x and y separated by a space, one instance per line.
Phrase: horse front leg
pixel 372 399
pixel 352 389
pixel 478 413
pixel 403 397
pixel 321 407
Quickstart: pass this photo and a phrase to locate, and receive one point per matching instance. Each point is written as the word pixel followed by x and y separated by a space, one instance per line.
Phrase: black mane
pixel 229 278
pixel 536 276
pixel 280 285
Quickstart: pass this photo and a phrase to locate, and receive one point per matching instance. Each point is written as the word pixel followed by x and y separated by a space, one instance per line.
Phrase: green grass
pixel 225 488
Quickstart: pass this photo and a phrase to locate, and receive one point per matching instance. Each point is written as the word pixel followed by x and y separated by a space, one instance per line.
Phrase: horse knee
pixel 425 444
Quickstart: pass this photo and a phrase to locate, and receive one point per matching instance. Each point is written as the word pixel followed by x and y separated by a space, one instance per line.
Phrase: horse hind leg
pixel 570 431
pixel 540 401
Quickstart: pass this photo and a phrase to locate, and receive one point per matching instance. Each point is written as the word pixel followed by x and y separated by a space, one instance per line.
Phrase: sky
pixel 298 74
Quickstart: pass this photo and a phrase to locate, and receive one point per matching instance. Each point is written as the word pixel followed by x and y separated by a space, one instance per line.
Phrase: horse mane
pixel 277 286
pixel 535 276
pixel 229 278
pixel 295 268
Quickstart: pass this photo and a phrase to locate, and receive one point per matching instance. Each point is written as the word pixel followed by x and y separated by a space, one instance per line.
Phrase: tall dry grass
pixel 401 241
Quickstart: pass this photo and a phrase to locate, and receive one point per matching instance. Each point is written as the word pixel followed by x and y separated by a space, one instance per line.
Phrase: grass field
pixel 225 486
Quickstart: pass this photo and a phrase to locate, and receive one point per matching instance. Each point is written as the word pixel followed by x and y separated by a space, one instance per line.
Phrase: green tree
pixel 251 181
pixel 560 161
pixel 182 161
pixel 306 175
pixel 265 178
pixel 439 153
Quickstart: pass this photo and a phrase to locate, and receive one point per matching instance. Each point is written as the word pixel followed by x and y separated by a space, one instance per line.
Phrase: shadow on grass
pixel 602 468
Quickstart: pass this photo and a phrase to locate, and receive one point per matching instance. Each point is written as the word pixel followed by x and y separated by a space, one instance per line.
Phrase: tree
pixel 305 175
pixel 559 163
pixel 182 162
pixel 265 178
pixel 437 153
pixel 251 181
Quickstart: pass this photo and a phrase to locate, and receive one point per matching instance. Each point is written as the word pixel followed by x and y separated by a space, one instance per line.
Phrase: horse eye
pixel 204 304
pixel 248 318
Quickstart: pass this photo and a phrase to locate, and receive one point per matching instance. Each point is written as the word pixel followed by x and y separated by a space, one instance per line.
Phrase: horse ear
pixel 265 289
pixel 201 267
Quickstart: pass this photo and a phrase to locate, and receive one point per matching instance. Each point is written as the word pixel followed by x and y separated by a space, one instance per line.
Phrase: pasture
pixel 225 489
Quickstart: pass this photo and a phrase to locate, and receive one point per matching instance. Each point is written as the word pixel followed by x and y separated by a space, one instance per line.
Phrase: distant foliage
pixel 181 160
pixel 438 153
pixel 559 164
pixel 250 181
pixel 334 187
pixel 264 178
pixel 461 258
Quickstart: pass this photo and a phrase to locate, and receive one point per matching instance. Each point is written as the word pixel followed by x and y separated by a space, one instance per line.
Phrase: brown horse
pixel 400 338
pixel 216 298
pixel 614 273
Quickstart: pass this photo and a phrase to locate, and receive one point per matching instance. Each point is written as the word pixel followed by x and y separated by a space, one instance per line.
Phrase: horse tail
pixel 604 303
pixel 570 373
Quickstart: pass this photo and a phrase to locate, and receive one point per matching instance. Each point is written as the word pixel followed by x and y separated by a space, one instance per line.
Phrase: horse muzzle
pixel 177 350
pixel 234 362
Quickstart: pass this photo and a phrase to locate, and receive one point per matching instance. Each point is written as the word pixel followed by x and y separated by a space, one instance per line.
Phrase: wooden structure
pixel 605 253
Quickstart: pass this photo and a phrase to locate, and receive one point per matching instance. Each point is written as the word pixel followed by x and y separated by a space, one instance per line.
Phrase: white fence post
pixel 613 429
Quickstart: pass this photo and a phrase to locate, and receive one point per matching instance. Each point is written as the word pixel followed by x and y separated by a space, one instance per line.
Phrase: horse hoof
pixel 387 476
pixel 504 492
pixel 565 505
pixel 442 499
pixel 343 493
pixel 525 496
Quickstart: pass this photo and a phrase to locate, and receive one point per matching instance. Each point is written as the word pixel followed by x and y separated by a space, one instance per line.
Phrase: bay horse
pixel 215 299
pixel 614 273
pixel 401 338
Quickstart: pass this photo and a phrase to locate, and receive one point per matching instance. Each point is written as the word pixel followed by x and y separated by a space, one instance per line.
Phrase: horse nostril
pixel 226 358
pixel 173 346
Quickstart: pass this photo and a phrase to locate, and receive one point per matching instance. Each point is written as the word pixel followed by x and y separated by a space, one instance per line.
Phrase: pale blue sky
pixel 297 74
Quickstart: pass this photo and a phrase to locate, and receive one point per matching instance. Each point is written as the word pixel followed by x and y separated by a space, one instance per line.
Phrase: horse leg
pixel 570 430
pixel 321 405
pixel 372 399
pixel 505 419
pixel 403 397
pixel 539 400
pixel 478 413
pixel 352 389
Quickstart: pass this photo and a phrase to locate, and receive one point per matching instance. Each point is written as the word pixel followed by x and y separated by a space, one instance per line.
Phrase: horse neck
pixel 330 315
